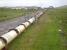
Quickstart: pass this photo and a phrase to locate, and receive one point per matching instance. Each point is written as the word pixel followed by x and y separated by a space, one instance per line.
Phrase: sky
pixel 40 3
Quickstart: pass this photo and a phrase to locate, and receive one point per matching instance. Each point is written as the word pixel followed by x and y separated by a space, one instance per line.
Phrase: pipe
pixel 13 33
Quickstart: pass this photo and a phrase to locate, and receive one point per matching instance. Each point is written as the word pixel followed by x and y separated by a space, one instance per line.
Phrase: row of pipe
pixel 13 33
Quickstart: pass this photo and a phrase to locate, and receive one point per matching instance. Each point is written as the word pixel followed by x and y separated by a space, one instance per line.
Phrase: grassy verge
pixel 61 15
pixel 7 13
pixel 43 35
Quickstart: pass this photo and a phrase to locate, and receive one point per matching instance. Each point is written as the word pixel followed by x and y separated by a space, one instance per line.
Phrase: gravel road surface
pixel 6 25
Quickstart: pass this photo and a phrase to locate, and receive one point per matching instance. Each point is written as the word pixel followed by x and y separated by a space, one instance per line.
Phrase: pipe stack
pixel 13 33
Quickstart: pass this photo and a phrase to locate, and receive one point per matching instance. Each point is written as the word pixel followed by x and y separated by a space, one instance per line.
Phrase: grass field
pixel 45 34
pixel 7 13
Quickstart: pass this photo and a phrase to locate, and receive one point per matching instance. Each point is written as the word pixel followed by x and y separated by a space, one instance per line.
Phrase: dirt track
pixel 6 25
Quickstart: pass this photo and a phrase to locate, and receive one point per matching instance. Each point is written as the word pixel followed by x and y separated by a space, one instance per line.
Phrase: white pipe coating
pixel 20 28
pixel 32 20
pixel 13 34
pixel 26 24
pixel 2 44
pixel 9 36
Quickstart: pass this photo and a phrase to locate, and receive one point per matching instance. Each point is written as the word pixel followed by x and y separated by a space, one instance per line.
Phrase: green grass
pixel 7 13
pixel 43 35
pixel 61 15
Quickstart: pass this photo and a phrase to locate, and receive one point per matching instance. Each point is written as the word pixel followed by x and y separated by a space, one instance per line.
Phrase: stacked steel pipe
pixel 13 33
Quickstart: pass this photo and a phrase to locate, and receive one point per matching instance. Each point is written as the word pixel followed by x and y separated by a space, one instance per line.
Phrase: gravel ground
pixel 6 25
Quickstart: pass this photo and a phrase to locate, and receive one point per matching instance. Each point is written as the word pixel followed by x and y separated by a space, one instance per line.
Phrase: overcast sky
pixel 42 3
